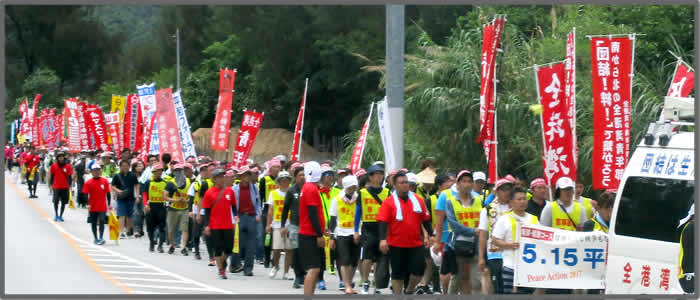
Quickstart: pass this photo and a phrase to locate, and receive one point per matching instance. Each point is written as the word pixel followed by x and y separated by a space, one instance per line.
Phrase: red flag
pixel 683 81
pixel 87 139
pixel 296 146
pixel 35 122
pixel 43 125
pixel 356 159
pixel 58 135
pixel 112 123
pixel 570 89
pixel 26 122
pixel 133 124
pixel 97 122
pixel 250 126
pixel 73 122
pixel 557 154
pixel 53 128
pixel 222 121
pixel 168 134
pixel 148 131
pixel 612 91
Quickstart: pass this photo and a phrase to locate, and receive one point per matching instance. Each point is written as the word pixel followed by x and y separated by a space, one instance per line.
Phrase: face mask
pixel 179 178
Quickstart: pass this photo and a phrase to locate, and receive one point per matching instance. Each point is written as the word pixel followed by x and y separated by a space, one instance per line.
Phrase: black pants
pixel 296 265
pixel 32 184
pixel 196 234
pixel 496 269
pixel 156 220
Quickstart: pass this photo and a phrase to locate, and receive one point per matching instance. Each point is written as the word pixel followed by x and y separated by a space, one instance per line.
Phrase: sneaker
pixel 222 274
pixel 96 242
pixel 273 272
pixel 151 248
pixel 249 274
pixel 285 276
pixel 184 252
pixel 365 288
pixel 377 292
pixel 321 285
pixel 212 263
pixel 101 242
pixel 420 290
pixel 61 219
pixel 55 219
pixel 341 286
pixel 122 236
pixel 197 256
pixel 260 262
pixel 296 284
pixel 171 250
pixel 237 269
pixel 160 249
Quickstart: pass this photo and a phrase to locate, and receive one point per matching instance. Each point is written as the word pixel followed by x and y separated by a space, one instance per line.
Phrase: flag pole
pixel 544 150
pixel 303 114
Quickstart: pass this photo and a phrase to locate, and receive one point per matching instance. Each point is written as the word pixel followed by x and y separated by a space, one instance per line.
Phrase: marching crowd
pixel 412 233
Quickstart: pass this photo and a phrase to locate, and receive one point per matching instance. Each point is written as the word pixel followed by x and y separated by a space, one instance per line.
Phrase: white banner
pixel 147 98
pixel 628 275
pixel 385 132
pixel 554 258
pixel 182 124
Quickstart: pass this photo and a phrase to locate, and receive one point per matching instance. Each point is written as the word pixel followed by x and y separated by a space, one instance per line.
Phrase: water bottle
pixel 267 240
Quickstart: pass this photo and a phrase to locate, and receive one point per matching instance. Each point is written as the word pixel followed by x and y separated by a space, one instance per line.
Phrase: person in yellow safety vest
pixel 538 200
pixel 154 206
pixel 490 256
pixel 327 194
pixel 462 213
pixel 175 195
pixel 108 167
pixel 425 190
pixel 341 225
pixel 589 204
pixel 366 212
pixel 197 190
pixel 266 185
pixel 275 202
pixel 600 221
pixel 686 260
pixel 505 237
pixel 340 174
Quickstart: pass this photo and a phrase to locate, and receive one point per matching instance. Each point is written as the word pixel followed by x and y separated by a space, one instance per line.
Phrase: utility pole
pixel 177 51
pixel 395 43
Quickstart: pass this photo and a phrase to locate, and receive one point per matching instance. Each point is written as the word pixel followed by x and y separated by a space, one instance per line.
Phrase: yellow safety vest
pixel 277 205
pixel 514 222
pixel 598 227
pixel 198 187
pixel 156 190
pixel 529 196
pixel 588 205
pixel 270 185
pixel 370 206
pixel 433 203
pixel 467 216
pixel 680 258
pixel 346 213
pixel 560 219
pixel 181 193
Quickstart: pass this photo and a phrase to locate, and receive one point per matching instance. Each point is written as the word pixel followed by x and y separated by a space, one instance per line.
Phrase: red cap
pixel 537 182
pixel 503 181
pixel 464 172
pixel 360 172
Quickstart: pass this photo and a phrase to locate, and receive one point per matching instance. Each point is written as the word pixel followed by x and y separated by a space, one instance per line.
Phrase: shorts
pixel 125 208
pixel 178 219
pixel 312 256
pixel 348 251
pixel 60 194
pixel 94 216
pixel 508 278
pixel 406 261
pixel 278 241
pixel 369 241
pixel 449 262
pixel 221 241
pixel 293 236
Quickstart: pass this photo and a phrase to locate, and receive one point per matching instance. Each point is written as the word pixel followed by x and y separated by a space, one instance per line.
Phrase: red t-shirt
pixel 245 203
pixel 221 213
pixel 406 233
pixel 310 196
pixel 31 161
pixel 97 189
pixel 22 156
pixel 60 175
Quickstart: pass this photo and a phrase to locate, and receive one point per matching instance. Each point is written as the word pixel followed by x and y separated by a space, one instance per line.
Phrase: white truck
pixel 656 191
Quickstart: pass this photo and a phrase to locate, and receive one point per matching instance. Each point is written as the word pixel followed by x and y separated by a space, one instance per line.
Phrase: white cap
pixel 282 175
pixel 312 171
pixel 565 182
pixel 95 166
pixel 281 157
pixel 349 181
pixel 412 178
pixel 479 176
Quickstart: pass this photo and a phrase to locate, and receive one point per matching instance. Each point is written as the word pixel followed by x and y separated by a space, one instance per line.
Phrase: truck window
pixel 650 208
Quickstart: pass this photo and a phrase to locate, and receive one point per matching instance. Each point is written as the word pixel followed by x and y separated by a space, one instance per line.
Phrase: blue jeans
pixel 248 232
pixel 260 242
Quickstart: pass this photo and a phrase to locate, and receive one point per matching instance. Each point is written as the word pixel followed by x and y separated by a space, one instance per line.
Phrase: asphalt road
pixel 47 257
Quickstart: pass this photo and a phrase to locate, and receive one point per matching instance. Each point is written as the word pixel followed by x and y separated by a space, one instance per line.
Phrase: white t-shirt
pixel 334 213
pixel 504 230
pixel 275 224
pixel 483 223
pixel 546 216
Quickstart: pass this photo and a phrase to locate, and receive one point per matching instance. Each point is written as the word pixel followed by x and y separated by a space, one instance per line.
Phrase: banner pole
pixel 544 149
pixel 572 94
pixel 303 115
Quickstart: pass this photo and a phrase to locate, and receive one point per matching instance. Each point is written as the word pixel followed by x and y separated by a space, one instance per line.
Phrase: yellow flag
pixel 113 226
pixel 327 249
pixel 71 204
pixel 236 244
pixel 118 105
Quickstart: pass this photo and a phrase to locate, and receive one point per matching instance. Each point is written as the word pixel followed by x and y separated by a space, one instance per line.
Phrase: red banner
pixel 97 123
pixel 222 121
pixel 612 91
pixel 25 128
pixel 570 90
pixel 168 133
pixel 112 123
pixel 683 81
pixel 356 159
pixel 557 155
pixel 43 125
pixel 133 124
pixel 58 133
pixel 71 113
pixel 296 145
pixel 147 132
pixel 86 136
pixel 246 137
pixel 35 122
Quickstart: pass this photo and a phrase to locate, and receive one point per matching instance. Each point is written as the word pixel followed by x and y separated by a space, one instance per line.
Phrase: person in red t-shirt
pixel 97 188
pixel 31 162
pixel 311 227
pixel 219 203
pixel 59 181
pixel 400 218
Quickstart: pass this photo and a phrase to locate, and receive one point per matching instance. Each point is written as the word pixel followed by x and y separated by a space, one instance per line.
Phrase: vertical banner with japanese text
pixel 557 152
pixel 133 124
pixel 385 132
pixel 35 121
pixel 611 60
pixel 118 104
pixel 222 121
pixel 58 130
pixel 85 135
pixel 570 90
pixel 44 129
pixel 24 114
pixel 168 133
pixel 250 125
pixel 112 123
pixel 356 159
pixel 298 129
pixel 147 98
pixel 184 127
pixel 97 122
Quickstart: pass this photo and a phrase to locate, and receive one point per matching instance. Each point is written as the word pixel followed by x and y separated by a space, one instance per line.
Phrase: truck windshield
pixel 650 208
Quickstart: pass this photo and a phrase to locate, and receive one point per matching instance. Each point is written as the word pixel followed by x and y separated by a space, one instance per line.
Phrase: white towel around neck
pixel 414 202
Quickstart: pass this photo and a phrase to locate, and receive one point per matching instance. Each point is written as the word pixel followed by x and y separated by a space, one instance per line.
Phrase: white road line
pixel 168 287
pixel 122 266
pixel 109 260
pixel 148 279
pixel 144 292
pixel 133 273
pixel 97 254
